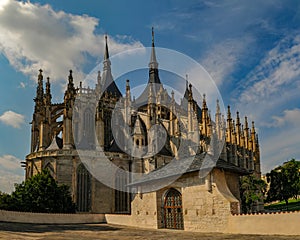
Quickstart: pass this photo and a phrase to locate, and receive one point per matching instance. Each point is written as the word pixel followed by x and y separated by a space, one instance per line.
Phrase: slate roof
pixel 201 162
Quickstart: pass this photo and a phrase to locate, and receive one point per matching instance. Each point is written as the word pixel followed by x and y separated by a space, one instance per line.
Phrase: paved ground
pixel 15 231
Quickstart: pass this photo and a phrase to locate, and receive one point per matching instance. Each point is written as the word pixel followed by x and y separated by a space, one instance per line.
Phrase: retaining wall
pixel 272 223
pixel 50 218
pixel 266 224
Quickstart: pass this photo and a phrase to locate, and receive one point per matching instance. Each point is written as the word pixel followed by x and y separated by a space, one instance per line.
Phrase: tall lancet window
pixel 108 137
pixel 83 189
pixel 122 198
pixel 89 129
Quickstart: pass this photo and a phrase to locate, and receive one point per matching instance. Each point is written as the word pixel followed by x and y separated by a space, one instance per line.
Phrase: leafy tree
pixel 40 193
pixel 284 182
pixel 252 191
pixel 5 200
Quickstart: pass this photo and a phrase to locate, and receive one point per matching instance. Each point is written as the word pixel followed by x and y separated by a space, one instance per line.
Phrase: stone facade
pixel 60 131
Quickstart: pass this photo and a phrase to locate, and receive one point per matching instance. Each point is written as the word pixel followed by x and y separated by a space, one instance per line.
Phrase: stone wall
pixel 204 210
pixel 266 224
pixel 144 210
pixel 274 223
pixel 48 218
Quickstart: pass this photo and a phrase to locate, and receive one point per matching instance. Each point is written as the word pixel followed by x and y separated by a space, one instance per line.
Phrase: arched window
pixel 89 128
pixel 172 214
pixel 122 198
pixel 83 200
pixel 108 137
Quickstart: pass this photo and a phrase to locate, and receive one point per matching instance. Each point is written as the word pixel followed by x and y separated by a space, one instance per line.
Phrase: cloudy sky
pixel 250 48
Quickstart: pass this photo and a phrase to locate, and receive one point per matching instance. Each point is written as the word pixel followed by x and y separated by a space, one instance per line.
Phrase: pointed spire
pixel 218 110
pixel 238 128
pixel 71 91
pixel 228 113
pixel 153 62
pixel 190 93
pixel 106 54
pixel 153 65
pixel 253 135
pixel 253 128
pixel 108 84
pixel 246 133
pixel 40 76
pixel 70 84
pixel 106 61
pixel 40 88
pixel 186 93
pixel 238 122
pixel 48 92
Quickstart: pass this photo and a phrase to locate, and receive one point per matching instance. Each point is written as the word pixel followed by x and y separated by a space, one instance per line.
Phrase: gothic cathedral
pixel 203 192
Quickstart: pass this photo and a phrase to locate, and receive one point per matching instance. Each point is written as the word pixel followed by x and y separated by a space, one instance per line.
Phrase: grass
pixel 294 205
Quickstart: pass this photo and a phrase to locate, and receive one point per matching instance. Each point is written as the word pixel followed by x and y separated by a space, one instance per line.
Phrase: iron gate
pixel 173 217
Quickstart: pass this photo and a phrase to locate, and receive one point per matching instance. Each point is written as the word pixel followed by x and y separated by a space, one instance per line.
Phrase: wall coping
pixel 265 213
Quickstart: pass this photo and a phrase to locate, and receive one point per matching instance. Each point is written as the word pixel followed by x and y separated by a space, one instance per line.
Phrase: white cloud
pixel 278 71
pixel 8 179
pixel 269 93
pixel 291 117
pixel 12 119
pixel 273 83
pixel 10 162
pixel 10 173
pixel 223 59
pixel 55 41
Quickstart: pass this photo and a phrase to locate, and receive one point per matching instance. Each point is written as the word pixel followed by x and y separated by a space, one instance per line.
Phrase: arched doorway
pixel 83 189
pixel 173 217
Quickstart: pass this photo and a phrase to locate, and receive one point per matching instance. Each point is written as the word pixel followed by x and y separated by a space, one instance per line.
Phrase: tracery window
pixel 122 197
pixel 89 128
pixel 83 200
pixel 107 130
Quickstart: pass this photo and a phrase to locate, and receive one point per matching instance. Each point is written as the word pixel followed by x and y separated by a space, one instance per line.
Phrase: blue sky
pixel 250 48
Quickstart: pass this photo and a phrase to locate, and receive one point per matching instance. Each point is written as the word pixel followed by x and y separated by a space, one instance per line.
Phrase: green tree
pixel 252 191
pixel 41 193
pixel 5 200
pixel 284 182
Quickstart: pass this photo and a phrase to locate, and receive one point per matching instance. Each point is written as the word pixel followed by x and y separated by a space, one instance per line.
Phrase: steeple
pixel 106 54
pixel 108 84
pixel 153 62
pixel 153 65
